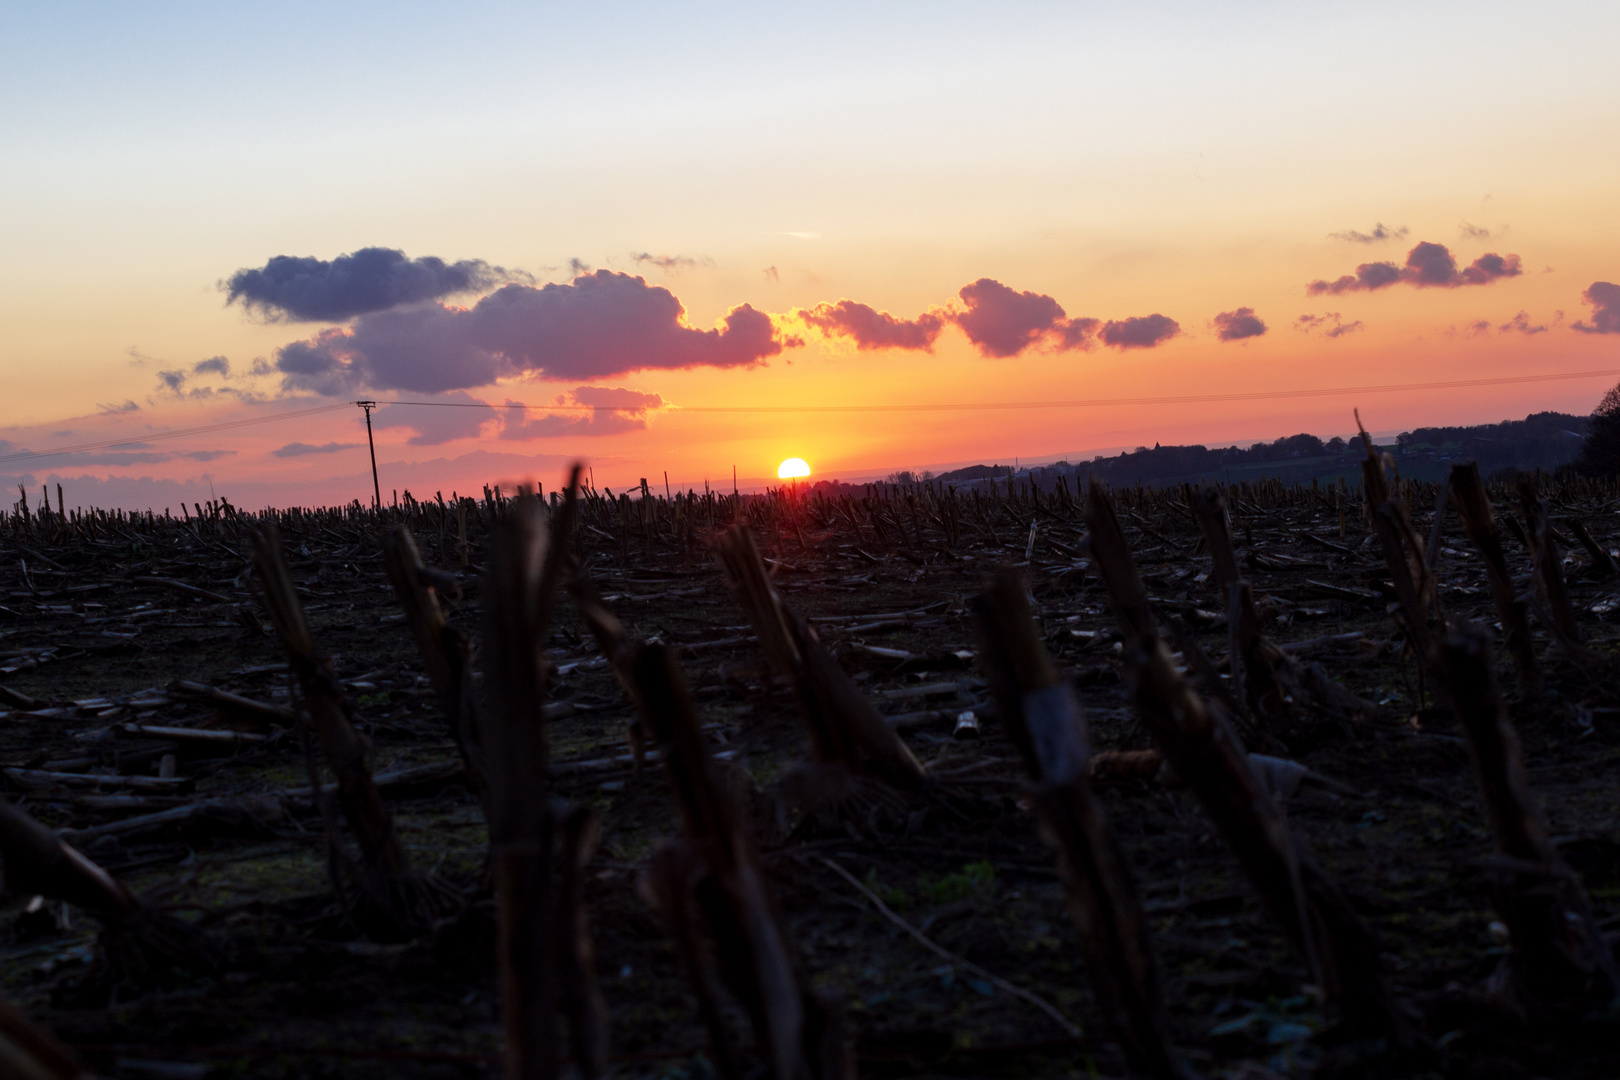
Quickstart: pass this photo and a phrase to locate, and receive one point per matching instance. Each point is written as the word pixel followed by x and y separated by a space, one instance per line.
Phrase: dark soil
pixel 97 644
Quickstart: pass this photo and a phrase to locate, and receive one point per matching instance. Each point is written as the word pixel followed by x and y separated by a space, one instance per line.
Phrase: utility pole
pixel 376 488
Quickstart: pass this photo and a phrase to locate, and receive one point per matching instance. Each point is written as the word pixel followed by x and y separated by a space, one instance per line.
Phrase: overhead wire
pixel 1063 403
pixel 140 441
pixel 967 406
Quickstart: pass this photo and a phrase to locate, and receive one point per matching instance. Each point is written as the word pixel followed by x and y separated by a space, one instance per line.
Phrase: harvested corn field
pixel 920 780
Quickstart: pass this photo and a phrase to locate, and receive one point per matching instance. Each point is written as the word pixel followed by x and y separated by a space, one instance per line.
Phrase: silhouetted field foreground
pixel 1325 813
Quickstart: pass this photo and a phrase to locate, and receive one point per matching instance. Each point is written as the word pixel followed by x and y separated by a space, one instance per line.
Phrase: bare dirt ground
pixel 102 619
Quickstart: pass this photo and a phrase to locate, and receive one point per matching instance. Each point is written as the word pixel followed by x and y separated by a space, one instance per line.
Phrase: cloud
pixel 1140 332
pixel 1002 322
pixel 173 383
pixel 303 449
pixel 873 329
pixel 617 397
pixel 1473 232
pixel 596 326
pixel 1239 324
pixel 578 266
pixel 613 410
pixel 135 453
pixel 1521 323
pixel 448 418
pixel 1368 277
pixel 1328 324
pixel 1428 265
pixel 672 263
pixel 1604 296
pixel 771 274
pixel 1378 233
pixel 113 408
pixel 307 289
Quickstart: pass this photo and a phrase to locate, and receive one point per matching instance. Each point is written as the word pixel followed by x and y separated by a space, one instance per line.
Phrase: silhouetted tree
pixel 1600 456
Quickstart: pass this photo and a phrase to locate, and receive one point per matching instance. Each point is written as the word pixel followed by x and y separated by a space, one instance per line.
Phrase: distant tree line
pixel 1546 441
pixel 1601 454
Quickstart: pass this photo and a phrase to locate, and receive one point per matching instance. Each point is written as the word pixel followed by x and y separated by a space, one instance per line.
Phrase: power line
pixel 137 443
pixel 969 406
pixel 1072 403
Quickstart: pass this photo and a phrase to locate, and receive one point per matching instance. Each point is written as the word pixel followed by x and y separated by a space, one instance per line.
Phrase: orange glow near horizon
pixel 792 469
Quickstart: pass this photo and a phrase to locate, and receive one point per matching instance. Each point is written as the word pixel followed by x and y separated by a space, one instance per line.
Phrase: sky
pixel 217 215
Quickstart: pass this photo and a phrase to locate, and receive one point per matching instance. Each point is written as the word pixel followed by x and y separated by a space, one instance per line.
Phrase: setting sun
pixel 792 468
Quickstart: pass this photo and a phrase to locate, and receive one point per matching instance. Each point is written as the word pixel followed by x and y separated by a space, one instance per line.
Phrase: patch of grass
pixel 972 878
pixel 891 895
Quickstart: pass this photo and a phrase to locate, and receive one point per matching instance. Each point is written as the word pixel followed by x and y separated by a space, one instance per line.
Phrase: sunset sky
pixel 217 213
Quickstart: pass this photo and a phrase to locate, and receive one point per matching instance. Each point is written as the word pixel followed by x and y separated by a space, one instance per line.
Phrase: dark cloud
pixel 133 454
pixel 1604 296
pixel 307 289
pixel 1003 322
pixel 303 449
pixel 1521 323
pixel 671 263
pixel 578 266
pixel 173 383
pixel 613 410
pixel 1378 233
pixel 1474 232
pixel 1140 331
pixel 596 326
pixel 1368 276
pixel 1239 324
pixel 111 408
pixel 1428 265
pixel 1328 324
pixel 771 274
pixel 873 329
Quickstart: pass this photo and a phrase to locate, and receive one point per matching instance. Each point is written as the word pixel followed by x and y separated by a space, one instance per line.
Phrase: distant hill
pixel 974 472
pixel 1540 441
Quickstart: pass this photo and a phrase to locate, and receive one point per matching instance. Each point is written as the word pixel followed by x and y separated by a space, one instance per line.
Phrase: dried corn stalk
pixel 396 900
pixel 545 953
pixel 1202 749
pixel 1040 715
pixel 712 890
pixel 446 653
pixel 1559 960
pixel 845 727
pixel 1474 510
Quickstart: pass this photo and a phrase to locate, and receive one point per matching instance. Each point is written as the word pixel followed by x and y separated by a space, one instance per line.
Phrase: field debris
pixel 1001 778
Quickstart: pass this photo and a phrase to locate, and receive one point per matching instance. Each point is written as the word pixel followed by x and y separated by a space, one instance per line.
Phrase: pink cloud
pixel 873 329
pixel 596 326
pixel 1003 322
pixel 1428 266
pixel 1239 324
pixel 1604 296
pixel 1140 331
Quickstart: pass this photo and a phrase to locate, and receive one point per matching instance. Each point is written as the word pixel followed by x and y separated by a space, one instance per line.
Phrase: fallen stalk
pixel 943 953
